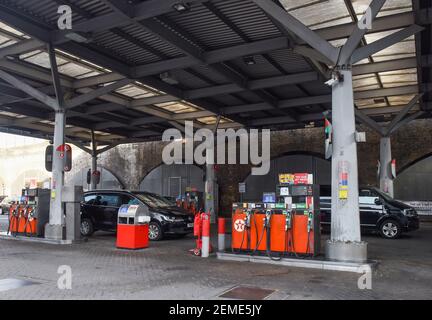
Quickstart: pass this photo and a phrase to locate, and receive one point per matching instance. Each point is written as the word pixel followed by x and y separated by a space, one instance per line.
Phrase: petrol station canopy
pixel 131 69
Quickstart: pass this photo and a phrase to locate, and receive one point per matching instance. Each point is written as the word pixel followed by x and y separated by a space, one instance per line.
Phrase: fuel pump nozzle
pixel 267 218
pixel 310 221
pixel 288 220
pixel 248 218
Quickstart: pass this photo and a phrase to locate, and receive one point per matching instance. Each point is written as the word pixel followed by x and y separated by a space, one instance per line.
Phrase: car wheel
pixel 86 227
pixel 155 231
pixel 390 229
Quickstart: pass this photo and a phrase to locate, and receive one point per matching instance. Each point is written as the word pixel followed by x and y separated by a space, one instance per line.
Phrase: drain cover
pixel 247 293
pixel 10 284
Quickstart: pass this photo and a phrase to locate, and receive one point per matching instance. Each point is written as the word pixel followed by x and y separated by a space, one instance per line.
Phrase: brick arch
pixel 83 168
pixel 2 182
pixel 289 153
pixel 234 174
pixel 414 180
pixel 161 164
pixel 114 175
pixel 414 162
pixel 105 167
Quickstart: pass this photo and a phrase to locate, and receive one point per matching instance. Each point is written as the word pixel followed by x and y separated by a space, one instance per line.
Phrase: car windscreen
pixel 153 200
pixel 382 194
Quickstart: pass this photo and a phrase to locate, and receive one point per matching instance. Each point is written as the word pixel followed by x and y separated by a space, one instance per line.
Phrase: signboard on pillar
pixel 96 177
pixel 393 169
pixel 64 152
pixel 242 187
pixel 89 176
pixel 329 139
pixel 49 152
pixel 209 190
pixel 379 169
pixel 343 167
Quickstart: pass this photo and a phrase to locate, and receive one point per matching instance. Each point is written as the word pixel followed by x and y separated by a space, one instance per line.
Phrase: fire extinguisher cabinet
pixel 133 227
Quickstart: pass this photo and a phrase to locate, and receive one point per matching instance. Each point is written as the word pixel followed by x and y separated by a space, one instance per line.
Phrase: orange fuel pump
pixel 30 228
pixel 303 232
pixel 281 231
pixel 13 219
pixel 258 232
pixel 241 225
pixel 31 214
pixel 287 223
pixel 22 218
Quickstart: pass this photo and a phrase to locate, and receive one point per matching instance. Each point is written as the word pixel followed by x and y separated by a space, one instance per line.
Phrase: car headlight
pixel 173 219
pixel 410 213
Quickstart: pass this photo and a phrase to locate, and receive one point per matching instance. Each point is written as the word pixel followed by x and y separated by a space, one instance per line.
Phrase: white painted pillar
pixel 210 192
pixel 386 177
pixel 93 169
pixel 93 184
pixel 345 243
pixel 56 220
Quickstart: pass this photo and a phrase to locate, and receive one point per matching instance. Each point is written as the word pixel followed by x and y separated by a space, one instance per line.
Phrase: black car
pixel 5 203
pixel 100 208
pixel 378 212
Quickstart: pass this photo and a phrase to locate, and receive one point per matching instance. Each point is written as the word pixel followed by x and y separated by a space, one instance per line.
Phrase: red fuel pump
pixel 286 224
pixel 13 219
pixel 258 229
pixel 241 226
pixel 302 201
pixel 30 215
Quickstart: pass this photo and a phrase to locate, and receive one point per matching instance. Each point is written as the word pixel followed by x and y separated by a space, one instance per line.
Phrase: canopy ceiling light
pixel 181 7
pixel 79 37
pixel 249 60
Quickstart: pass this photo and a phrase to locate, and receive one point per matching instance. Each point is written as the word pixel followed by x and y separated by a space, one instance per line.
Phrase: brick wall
pixel 131 163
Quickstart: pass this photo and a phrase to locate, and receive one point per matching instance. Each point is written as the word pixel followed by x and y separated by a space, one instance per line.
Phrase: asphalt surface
pixel 167 271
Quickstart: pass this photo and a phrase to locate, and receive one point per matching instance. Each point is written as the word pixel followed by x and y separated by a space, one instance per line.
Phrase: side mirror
pixel 378 202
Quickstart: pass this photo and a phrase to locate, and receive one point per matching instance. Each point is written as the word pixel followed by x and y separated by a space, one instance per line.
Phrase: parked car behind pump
pixel 5 203
pixel 99 211
pixel 378 212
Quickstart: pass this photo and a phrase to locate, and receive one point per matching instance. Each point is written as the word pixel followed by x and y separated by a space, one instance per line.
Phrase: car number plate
pixel 190 225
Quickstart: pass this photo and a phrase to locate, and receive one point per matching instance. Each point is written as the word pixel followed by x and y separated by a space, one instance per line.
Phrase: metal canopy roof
pixel 144 66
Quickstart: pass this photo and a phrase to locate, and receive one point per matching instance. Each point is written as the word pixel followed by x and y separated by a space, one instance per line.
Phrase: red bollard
pixel 205 250
pixel 221 234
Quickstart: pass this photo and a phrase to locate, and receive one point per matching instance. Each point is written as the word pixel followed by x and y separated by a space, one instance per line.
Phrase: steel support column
pixel 211 187
pixel 386 177
pixel 55 228
pixel 345 243
pixel 94 155
pixel 211 192
pixel 56 220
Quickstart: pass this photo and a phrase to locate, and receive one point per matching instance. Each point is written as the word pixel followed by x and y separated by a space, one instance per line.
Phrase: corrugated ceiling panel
pixel 205 27
pixel 248 18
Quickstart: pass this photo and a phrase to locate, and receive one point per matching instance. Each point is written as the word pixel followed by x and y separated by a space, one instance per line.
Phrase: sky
pixel 10 140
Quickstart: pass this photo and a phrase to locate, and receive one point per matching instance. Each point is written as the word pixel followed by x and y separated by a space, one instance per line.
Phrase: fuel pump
pixel 13 219
pixel 303 226
pixel 279 230
pixel 29 216
pixel 258 228
pixel 22 216
pixel 241 226
pixel 192 201
pixel 270 232
pixel 30 226
pixel 286 223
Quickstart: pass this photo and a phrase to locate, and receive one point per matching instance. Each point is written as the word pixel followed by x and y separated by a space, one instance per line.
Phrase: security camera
pixel 332 82
pixel 336 78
